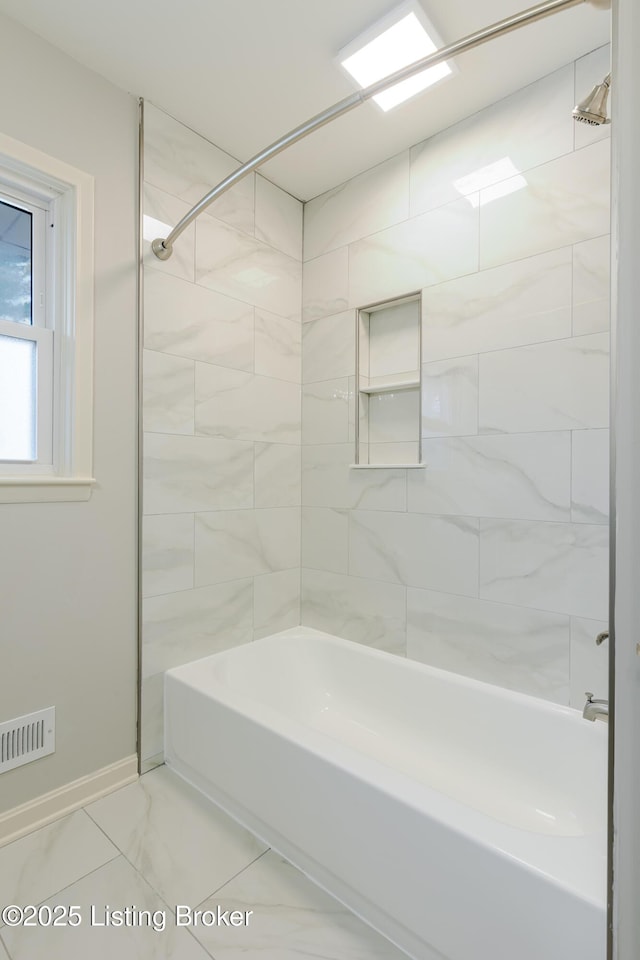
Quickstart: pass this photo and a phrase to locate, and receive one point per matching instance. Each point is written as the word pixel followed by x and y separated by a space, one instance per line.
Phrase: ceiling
pixel 244 72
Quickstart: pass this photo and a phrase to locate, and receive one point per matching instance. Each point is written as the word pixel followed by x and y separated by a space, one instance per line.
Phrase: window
pixel 46 326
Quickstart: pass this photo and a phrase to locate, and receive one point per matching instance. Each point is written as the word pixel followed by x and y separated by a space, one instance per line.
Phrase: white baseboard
pixel 36 813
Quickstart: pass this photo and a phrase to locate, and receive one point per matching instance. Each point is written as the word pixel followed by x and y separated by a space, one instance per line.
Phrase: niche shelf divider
pixel 388 427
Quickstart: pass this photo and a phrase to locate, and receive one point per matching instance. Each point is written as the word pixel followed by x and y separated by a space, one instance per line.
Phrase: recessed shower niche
pixel 389 380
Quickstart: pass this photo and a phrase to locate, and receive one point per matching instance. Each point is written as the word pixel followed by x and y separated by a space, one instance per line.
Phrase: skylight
pixel 399 39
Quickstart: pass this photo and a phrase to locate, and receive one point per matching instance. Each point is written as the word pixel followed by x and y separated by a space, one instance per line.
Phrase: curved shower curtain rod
pixel 163 248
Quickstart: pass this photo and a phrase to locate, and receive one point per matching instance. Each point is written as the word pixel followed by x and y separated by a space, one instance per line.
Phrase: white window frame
pixel 67 194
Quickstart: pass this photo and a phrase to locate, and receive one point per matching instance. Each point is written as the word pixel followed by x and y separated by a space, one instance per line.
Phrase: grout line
pixel 237 874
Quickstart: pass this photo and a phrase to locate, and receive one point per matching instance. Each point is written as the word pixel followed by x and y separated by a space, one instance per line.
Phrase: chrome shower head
pixel 593 109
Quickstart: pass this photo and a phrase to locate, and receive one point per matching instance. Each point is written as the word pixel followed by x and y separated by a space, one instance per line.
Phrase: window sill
pixel 44 489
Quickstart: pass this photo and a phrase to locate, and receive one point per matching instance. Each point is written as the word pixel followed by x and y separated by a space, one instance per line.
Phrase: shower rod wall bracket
pixel 163 247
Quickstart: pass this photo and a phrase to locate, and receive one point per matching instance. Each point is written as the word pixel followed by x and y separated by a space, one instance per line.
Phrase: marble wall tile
pixel 278 218
pixel 590 70
pixel 325 285
pixel 278 347
pixel 450 397
pixel 513 647
pixel 144 819
pixel 435 553
pixel 591 286
pixel 183 163
pixel 242 267
pixel 394 417
pixel 590 476
pixel 391 453
pixel 187 474
pixel 115 883
pixel 276 602
pixel 365 611
pixel 325 539
pixel 167 553
pixel 561 385
pixel 561 567
pixel 375 199
pixel 524 476
pixel 325 411
pixel 277 475
pixel 169 384
pixel 428 249
pixel 296 919
pixel 327 481
pixel 563 201
pixel 191 624
pixel 514 304
pixel 47 860
pixel 233 404
pixel 187 320
pixel 152 718
pixel 589 663
pixel 231 545
pixel 161 212
pixel 329 347
pixel 528 128
pixel 393 342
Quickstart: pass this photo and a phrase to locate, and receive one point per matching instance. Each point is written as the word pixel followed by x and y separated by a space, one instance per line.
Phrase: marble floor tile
pixel 38 865
pixel 325 285
pixel 292 919
pixel 118 886
pixel 3 953
pixel 183 845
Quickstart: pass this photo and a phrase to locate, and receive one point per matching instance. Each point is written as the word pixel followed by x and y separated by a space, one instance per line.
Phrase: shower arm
pixel 163 248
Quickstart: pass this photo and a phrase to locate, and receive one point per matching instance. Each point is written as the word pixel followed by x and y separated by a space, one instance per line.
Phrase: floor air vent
pixel 27 738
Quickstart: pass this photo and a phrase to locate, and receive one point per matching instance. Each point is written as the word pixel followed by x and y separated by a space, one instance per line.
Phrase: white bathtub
pixel 460 820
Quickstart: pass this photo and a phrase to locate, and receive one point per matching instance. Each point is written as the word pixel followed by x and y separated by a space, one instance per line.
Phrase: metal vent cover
pixel 27 738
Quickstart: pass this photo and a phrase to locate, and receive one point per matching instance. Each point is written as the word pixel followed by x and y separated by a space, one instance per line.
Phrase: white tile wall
pixel 222 413
pixel 500 542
